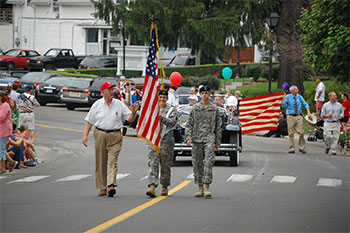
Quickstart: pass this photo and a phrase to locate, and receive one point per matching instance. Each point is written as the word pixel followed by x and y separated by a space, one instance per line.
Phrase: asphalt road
pixel 270 191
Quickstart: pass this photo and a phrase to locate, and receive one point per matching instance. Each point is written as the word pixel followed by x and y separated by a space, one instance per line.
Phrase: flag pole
pixel 161 67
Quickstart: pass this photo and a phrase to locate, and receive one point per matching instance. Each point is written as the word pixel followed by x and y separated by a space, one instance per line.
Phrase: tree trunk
pixel 290 48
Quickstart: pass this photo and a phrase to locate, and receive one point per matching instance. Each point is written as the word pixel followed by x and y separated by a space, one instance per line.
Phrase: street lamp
pixel 237 46
pixel 272 21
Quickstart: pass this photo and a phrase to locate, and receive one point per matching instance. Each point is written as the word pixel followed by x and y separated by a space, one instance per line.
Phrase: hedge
pixel 250 70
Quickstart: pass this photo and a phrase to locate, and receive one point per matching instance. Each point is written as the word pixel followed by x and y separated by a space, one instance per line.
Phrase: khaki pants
pixel 107 148
pixel 295 122
pixel 331 135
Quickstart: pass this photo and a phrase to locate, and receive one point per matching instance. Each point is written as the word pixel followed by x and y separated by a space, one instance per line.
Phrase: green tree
pixel 204 25
pixel 326 36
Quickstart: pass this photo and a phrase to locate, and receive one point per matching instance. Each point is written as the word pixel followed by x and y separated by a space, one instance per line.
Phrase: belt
pixel 331 121
pixel 108 130
pixel 294 114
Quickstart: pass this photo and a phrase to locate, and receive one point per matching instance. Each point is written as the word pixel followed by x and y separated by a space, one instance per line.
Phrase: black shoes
pixel 111 191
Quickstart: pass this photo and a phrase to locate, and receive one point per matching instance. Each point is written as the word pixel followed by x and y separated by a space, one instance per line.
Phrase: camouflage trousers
pixel 164 160
pixel 203 159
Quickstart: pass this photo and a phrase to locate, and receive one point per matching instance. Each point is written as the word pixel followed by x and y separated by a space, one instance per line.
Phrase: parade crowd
pixel 202 133
pixel 17 133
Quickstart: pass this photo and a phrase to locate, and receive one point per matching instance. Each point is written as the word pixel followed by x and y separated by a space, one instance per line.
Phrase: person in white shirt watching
pixel 319 96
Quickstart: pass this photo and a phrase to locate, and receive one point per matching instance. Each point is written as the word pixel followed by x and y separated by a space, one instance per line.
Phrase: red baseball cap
pixel 107 85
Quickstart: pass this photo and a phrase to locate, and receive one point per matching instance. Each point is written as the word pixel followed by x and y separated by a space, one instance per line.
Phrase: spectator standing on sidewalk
pixel 6 129
pixel 107 115
pixel 332 112
pixel 14 94
pixel 346 106
pixel 14 112
pixel 193 91
pixel 319 96
pixel 26 103
pixel 293 102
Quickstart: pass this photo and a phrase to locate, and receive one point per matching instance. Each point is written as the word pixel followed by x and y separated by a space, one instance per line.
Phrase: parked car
pixel 50 90
pixel 55 58
pixel 231 142
pixel 18 73
pixel 76 93
pixel 102 61
pixel 33 79
pixel 7 81
pixel 17 58
pixel 190 60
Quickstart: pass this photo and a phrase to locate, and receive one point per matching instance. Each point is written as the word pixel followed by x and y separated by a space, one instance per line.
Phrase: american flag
pixel 148 126
pixel 260 113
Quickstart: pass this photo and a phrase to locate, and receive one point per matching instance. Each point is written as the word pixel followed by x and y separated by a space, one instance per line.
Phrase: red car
pixel 17 58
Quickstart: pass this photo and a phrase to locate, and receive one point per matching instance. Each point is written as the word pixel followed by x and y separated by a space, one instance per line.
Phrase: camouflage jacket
pixel 168 122
pixel 204 124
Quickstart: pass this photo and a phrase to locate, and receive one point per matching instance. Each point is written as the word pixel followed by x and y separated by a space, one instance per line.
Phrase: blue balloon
pixel 227 73
pixel 285 86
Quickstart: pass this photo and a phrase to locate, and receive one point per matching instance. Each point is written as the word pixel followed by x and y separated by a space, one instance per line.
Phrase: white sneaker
pixel 13 166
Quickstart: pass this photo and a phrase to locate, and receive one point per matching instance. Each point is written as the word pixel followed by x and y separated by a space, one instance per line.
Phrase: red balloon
pixel 175 78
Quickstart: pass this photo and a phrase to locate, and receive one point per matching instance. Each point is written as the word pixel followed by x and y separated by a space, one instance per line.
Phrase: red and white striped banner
pixel 260 113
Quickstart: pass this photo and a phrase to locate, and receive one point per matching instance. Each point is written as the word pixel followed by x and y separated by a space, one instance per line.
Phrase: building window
pixel 55 6
pixel 92 35
pixel 5 13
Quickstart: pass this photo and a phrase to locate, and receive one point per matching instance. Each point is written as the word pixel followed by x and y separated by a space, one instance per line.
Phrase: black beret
pixel 204 88
pixel 163 92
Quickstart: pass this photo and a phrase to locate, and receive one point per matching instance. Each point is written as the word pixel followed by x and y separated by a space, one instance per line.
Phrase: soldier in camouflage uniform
pixel 203 132
pixel 168 118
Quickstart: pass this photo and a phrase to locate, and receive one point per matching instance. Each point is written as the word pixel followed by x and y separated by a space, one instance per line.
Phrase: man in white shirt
pixel 332 112
pixel 107 115
pixel 319 96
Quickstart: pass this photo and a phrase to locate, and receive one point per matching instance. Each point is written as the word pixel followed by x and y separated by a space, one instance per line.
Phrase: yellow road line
pixel 136 210
pixel 68 129
pixel 62 128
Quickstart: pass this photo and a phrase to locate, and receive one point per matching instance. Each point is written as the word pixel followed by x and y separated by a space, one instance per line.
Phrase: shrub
pixel 274 73
pixel 253 70
pixel 192 81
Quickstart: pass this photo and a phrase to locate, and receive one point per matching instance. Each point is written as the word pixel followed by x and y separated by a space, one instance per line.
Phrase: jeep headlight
pixel 183 120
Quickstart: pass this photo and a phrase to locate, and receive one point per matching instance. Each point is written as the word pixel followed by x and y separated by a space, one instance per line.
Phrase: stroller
pixel 317 133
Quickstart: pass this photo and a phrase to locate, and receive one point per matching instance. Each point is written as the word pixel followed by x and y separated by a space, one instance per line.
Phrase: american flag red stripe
pixel 260 113
pixel 148 125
